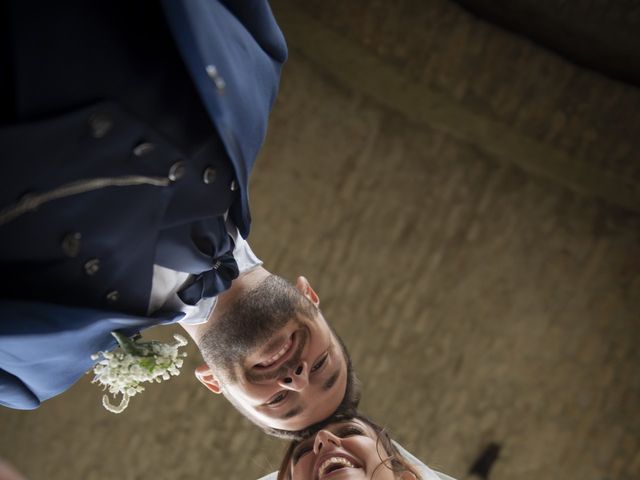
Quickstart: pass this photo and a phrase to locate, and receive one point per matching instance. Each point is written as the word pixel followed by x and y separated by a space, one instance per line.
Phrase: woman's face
pixel 346 450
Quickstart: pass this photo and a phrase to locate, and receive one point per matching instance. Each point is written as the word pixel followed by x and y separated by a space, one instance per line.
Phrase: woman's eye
pixel 319 364
pixel 350 430
pixel 278 398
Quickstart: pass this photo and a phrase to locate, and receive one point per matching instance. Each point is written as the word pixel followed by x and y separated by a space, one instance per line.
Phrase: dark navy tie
pixel 204 249
pixel 212 282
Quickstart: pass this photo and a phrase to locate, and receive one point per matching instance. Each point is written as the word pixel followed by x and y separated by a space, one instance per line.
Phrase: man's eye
pixel 278 398
pixel 350 430
pixel 320 363
pixel 300 452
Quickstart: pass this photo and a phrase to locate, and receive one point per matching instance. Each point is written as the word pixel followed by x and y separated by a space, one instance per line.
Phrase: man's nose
pixel 324 438
pixel 296 379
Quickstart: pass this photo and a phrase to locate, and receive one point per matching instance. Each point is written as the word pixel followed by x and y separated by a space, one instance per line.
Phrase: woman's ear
pixel 205 376
pixel 304 287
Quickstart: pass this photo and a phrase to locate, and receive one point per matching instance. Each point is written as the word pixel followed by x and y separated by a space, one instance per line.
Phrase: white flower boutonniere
pixel 123 371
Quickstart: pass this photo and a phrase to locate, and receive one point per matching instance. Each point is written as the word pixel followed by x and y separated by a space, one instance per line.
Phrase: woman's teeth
pixel 277 356
pixel 337 462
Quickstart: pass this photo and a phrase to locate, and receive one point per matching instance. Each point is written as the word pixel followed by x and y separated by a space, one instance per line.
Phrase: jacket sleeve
pixel 45 348
pixel 258 19
pixel 15 394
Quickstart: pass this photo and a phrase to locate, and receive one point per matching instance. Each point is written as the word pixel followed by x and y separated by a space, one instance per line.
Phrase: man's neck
pixel 246 281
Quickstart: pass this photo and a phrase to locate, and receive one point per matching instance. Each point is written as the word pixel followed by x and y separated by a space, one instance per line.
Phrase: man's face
pixel 279 365
pixel 296 378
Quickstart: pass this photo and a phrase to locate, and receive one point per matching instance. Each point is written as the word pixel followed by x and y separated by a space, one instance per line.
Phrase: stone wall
pixel 487 294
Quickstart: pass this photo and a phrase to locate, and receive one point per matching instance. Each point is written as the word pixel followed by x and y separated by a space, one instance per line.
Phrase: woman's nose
pixel 324 438
pixel 297 379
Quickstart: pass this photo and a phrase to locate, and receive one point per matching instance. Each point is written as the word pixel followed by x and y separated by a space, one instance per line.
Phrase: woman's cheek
pixel 302 469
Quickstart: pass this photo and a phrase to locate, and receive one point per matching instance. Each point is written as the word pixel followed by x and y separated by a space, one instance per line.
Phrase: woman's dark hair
pixel 389 455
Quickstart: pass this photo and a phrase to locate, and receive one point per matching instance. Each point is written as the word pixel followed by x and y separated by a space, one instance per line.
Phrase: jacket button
pixel 113 296
pixel 71 244
pixel 209 175
pixel 92 266
pixel 143 149
pixel 218 81
pixel 233 186
pixel 177 171
pixel 100 124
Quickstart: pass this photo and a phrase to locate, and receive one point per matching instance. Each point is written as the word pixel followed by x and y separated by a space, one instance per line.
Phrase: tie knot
pixel 212 282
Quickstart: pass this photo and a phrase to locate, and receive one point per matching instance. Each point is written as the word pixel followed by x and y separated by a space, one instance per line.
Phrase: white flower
pixel 123 371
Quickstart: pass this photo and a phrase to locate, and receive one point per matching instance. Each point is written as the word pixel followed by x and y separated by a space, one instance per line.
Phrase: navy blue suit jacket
pixel 109 134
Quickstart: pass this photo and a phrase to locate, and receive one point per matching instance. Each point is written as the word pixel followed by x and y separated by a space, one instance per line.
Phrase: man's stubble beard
pixel 249 322
pixel 232 339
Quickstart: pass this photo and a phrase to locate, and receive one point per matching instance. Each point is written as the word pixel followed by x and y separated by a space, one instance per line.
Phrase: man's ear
pixel 205 376
pixel 304 287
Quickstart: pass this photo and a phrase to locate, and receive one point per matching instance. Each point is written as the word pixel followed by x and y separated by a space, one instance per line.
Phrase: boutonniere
pixel 124 370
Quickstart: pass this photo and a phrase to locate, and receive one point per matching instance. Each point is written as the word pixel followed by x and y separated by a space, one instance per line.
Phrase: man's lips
pixel 332 463
pixel 273 359
pixel 280 356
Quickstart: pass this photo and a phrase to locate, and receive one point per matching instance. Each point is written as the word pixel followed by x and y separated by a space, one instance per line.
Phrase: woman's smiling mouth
pixel 332 465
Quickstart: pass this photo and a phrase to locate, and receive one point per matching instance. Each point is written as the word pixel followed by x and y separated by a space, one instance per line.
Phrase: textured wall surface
pixel 599 34
pixel 484 298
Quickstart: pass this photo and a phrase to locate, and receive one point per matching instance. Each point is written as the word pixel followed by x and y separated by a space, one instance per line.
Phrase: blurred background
pixel 460 182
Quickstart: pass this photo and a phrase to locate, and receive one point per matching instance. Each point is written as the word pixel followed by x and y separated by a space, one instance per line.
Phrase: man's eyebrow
pixel 331 381
pixel 291 413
